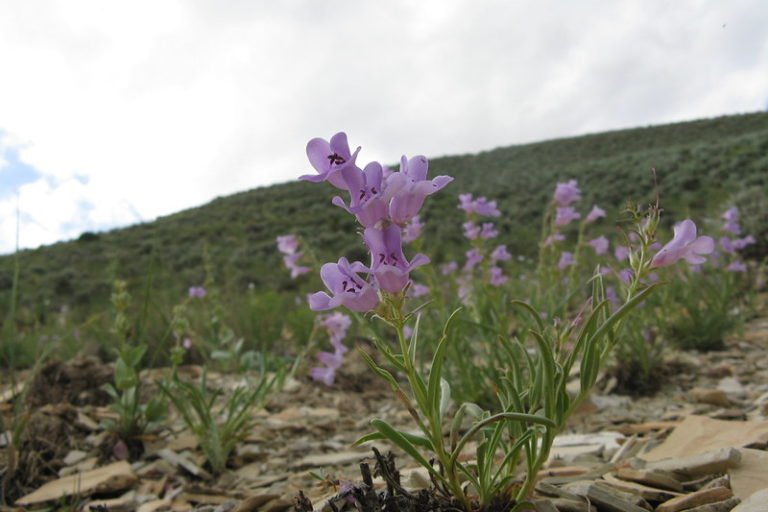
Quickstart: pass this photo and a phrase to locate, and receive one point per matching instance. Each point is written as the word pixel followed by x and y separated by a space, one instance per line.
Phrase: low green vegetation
pixel 699 165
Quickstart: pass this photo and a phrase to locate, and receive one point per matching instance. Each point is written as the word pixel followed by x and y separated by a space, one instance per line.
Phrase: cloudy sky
pixel 112 113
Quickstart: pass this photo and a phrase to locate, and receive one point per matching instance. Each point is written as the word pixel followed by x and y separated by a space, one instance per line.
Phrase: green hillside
pixel 701 167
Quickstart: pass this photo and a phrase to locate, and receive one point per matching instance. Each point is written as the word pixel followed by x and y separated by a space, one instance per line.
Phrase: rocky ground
pixel 698 445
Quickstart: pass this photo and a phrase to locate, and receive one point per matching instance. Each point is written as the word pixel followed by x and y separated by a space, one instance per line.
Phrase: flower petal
pixel 319 301
pixel 318 151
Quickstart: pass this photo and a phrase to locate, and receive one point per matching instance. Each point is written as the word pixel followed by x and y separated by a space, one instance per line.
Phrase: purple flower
pixel 567 193
pixel 566 260
pixel 610 294
pixel 500 254
pixel 480 206
pixel 324 374
pixel 731 218
pixel 736 266
pixel 565 215
pixel 197 292
pixel 449 268
pixel 411 187
pixel 465 287
pixel 621 252
pixel 418 290
pixel 466 203
pixel 727 245
pixel 595 213
pixel 347 288
pixel 388 263
pixel 291 263
pixel 329 158
pixel 287 244
pixel 489 231
pixel 684 245
pixel 626 275
pixel 413 230
pixel 368 200
pixel 471 230
pixel 554 237
pixel 741 243
pixel 331 359
pixel 497 276
pixel 473 258
pixel 336 324
pixel 600 245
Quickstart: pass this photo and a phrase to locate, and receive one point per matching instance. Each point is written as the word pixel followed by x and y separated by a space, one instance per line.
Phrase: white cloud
pixel 164 105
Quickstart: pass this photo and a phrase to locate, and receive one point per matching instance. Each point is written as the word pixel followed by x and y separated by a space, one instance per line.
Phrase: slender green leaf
pixel 414 439
pixel 404 444
pixel 379 370
pixel 435 372
pixel 530 309
pixel 412 345
pixel 502 416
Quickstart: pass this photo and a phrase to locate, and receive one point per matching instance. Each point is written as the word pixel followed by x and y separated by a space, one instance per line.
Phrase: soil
pixel 78 382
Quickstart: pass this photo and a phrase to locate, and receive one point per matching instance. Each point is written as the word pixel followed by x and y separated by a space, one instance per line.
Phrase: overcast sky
pixel 112 113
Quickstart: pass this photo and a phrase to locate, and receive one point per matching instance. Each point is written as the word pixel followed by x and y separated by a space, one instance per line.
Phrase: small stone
pixel 544 505
pixel 255 503
pixel 720 506
pixel 732 387
pixel 695 499
pixel 721 481
pixel 107 479
pixel 655 478
pixel 613 402
pixel 710 396
pixel 610 498
pixel 74 457
pixel 183 462
pixel 729 414
pixel 331 459
pixel 80 467
pixel 570 446
pixel 155 505
pixel 703 464
pixel 648 493
pixel 721 370
pixel 566 505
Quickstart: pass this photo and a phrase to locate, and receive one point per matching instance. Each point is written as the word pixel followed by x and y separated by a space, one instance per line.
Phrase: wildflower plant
pixel 203 320
pixel 134 417
pixel 533 402
pixel 219 423
pixel 702 320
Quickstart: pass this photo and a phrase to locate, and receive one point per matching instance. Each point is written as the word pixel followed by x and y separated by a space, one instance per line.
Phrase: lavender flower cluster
pixel 336 325
pixel 565 195
pixel 384 203
pixel 288 245
pixel 732 245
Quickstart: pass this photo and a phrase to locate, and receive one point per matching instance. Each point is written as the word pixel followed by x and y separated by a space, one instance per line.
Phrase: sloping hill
pixel 701 166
